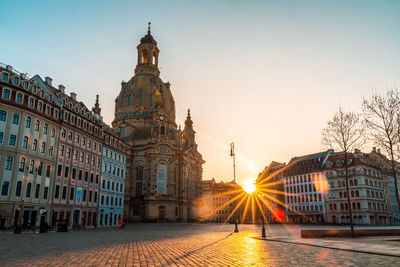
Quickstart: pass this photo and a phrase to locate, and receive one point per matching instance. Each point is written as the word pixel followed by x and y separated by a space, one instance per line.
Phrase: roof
pixel 307 163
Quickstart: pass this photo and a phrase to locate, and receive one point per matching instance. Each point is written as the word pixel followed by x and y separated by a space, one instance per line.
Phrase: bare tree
pixel 345 132
pixel 382 117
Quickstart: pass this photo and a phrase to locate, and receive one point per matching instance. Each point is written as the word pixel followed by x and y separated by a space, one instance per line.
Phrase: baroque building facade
pixel 76 185
pixel 29 136
pixel 164 168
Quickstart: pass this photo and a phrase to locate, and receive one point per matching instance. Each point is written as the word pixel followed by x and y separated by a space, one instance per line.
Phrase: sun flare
pixel 249 186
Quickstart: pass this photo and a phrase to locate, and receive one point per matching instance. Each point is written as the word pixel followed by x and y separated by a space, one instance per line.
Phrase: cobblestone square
pixel 177 245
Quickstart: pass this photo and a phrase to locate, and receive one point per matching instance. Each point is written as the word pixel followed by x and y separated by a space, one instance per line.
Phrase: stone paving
pixel 178 245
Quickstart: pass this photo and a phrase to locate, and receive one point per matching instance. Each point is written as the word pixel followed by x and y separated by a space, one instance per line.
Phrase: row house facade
pixel 113 173
pixel 219 201
pixel 305 188
pixel 78 170
pixel 29 137
pixel 368 190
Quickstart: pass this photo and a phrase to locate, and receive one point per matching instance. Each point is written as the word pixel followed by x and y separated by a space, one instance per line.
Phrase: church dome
pixel 143 94
pixel 148 39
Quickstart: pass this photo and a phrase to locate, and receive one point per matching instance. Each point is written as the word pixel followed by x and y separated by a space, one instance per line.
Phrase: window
pixel 53 132
pixel 43 148
pixel 31 166
pixel 61 152
pixel 130 100
pixel 45 193
pixel 63 133
pixel 90 196
pixel 57 191
pixel 66 171
pixel 4 188
pixel 34 144
pixel 59 169
pixel 25 142
pixel 77 138
pixel 84 195
pixel 40 168
pixel 37 125
pixel 39 106
pixel 37 191
pixel 45 128
pixel 64 192
pixel 71 194
pixel 30 102
pixel 69 135
pixel 18 189
pixel 139 189
pixel 95 197
pixel 6 94
pixel 86 176
pixel 3 115
pixel 161 179
pixel 28 190
pixel 48 169
pixel 9 163
pixel 28 122
pixel 80 174
pixel 12 140
pixel 91 177
pixel 139 172
pixel 73 173
pixel 68 154
pixel 15 119
pixel 1 137
pixel 5 76
pixel 16 81
pixel 21 167
pixel 51 149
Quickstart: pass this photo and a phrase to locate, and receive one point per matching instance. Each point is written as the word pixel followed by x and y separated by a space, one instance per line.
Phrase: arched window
pixel 161 179
pixel 34 145
pixel 18 189
pixel 352 193
pixel 130 100
pixel 357 193
pixel 154 58
pixel 144 56
pixel 162 130
pixel 22 165
pixel 139 171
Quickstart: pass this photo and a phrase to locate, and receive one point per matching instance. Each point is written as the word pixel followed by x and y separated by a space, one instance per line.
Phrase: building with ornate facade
pixel 164 168
pixel 218 203
pixel 368 189
pixel 29 137
pixel 113 173
pixel 76 186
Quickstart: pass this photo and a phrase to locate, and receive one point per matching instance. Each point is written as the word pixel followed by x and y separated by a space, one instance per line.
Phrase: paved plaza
pixel 190 245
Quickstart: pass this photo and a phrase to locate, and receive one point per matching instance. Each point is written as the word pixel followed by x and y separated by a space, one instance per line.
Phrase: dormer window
pixel 34 89
pixel 26 84
pixel 39 107
pixel 4 77
pixel 16 81
pixel 41 93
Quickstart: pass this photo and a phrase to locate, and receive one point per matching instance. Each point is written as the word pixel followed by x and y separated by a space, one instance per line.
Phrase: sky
pixel 266 75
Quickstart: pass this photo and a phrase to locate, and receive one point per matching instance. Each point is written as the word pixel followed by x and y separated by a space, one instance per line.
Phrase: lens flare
pixel 249 186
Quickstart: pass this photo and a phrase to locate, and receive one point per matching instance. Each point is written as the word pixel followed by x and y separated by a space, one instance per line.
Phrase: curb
pixel 321 246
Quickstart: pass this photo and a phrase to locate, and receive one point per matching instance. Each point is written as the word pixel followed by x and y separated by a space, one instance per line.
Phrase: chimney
pixel 9 67
pixel 23 75
pixel 73 96
pixel 48 80
pixel 61 88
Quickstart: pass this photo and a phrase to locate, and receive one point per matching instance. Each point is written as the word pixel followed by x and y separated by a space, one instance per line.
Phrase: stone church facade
pixel 164 167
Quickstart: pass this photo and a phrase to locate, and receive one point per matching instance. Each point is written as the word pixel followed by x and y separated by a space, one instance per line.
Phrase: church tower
pixel 164 168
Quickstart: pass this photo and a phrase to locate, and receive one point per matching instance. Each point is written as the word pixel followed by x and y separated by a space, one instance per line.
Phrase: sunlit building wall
pixel 305 189
pixel 368 189
pixel 29 136
pixel 76 187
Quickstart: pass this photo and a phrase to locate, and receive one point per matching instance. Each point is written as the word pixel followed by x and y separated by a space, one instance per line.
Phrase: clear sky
pixel 264 74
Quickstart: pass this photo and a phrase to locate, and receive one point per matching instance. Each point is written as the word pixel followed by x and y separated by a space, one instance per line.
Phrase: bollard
pixel 236 227
pixel 263 231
